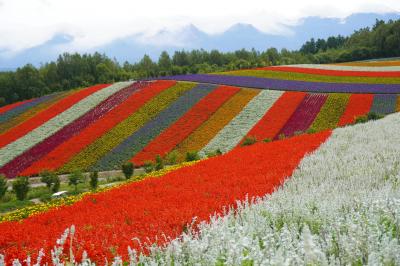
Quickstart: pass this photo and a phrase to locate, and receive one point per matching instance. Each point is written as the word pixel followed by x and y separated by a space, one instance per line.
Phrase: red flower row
pixel 358 105
pixel 182 128
pixel 277 116
pixel 327 72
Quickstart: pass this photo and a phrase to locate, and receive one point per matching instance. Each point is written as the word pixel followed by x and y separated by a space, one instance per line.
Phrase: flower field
pixel 101 127
pixel 315 188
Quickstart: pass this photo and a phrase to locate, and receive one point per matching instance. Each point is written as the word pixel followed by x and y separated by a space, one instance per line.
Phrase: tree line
pixel 76 70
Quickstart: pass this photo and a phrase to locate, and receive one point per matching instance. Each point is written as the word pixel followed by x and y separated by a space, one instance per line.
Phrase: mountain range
pixel 241 35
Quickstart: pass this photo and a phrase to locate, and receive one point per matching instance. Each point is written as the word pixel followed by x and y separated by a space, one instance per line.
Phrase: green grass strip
pixel 310 77
pixel 330 112
pixel 91 154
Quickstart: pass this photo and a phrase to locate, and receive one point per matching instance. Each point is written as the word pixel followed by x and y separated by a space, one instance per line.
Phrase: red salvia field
pixel 106 222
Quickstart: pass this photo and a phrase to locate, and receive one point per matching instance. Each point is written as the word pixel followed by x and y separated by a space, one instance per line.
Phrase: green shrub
pixel 374 116
pixel 214 153
pixel 172 157
pixel 56 184
pixel 159 163
pixel 192 156
pixel 249 141
pixel 361 119
pixel 148 166
pixel 94 180
pixel 128 168
pixel 50 178
pixel 311 131
pixel 3 186
pixel 21 187
pixel 267 140
pixel 368 117
pixel 75 178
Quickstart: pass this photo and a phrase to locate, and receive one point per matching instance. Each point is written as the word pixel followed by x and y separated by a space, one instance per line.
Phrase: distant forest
pixel 76 70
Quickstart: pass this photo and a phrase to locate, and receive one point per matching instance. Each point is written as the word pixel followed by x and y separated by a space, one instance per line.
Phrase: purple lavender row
pixel 304 115
pixel 21 162
pixel 288 85
pixel 23 107
pixel 384 103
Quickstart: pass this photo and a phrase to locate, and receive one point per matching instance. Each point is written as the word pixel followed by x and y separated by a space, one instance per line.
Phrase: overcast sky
pixel 27 23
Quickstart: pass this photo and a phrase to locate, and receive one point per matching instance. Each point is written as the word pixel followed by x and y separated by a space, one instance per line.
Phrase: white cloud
pixel 27 23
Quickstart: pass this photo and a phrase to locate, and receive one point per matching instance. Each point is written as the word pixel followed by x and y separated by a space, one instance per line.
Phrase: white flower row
pixel 238 127
pixel 348 68
pixel 37 135
pixel 340 207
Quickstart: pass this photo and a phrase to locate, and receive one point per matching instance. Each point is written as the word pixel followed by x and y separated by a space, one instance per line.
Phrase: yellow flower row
pixel 330 113
pixel 43 207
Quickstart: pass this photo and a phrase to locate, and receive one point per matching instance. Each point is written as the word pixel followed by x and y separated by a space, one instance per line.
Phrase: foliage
pixel 159 164
pixel 3 186
pixel 56 184
pixel 249 140
pixel 128 168
pixel 192 156
pixel 94 180
pixel 172 157
pixel 148 166
pixel 20 187
pixel 49 178
pixel 75 178
pixel 367 117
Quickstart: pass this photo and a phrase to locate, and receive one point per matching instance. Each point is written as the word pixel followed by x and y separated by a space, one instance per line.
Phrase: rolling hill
pixel 313 189
pixel 101 127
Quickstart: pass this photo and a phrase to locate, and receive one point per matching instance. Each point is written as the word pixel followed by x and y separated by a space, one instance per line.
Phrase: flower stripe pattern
pixel 38 151
pixel 203 134
pixel 31 112
pixel 277 116
pixel 9 107
pixel 45 115
pixel 358 105
pixel 233 132
pixel 331 72
pixel 64 152
pixel 304 115
pixel 384 104
pixel 330 113
pixel 288 85
pixel 88 156
pixel 350 68
pixel 311 77
pixel 37 135
pixel 24 107
pixel 177 132
pixel 138 140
